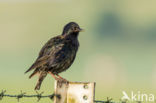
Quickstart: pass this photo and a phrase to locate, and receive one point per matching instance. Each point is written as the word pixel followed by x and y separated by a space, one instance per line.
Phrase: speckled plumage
pixel 58 54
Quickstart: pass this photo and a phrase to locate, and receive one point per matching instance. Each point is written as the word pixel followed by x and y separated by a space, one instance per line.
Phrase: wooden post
pixel 74 92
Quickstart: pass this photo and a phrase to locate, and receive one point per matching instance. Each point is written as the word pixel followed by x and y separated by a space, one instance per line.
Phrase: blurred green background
pixel 117 49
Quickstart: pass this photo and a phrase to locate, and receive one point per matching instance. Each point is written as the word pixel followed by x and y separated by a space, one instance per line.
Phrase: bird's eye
pixel 75 28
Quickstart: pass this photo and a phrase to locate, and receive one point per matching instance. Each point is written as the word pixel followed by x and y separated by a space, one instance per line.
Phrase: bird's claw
pixel 63 80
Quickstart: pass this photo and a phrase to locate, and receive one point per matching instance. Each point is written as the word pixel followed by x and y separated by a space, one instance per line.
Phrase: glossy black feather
pixel 58 54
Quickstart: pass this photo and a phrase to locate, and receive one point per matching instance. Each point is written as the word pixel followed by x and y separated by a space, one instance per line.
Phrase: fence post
pixel 74 92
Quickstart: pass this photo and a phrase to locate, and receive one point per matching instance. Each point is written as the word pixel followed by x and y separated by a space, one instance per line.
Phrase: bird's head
pixel 71 28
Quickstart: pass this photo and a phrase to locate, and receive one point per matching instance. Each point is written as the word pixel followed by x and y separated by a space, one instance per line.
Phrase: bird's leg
pixel 53 76
pixel 61 78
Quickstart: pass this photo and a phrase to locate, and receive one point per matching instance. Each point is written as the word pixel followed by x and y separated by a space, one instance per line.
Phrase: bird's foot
pixel 62 79
pixel 58 78
pixel 53 76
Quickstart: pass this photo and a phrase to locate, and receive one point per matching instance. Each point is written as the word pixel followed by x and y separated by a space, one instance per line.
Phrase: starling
pixel 57 55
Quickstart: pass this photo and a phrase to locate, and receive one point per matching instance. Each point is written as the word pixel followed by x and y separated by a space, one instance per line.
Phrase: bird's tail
pixel 41 78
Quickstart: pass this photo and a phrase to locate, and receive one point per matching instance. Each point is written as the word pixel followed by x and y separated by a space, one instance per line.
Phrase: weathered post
pixel 74 92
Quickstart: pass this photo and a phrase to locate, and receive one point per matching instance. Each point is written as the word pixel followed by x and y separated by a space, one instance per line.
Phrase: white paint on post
pixel 74 92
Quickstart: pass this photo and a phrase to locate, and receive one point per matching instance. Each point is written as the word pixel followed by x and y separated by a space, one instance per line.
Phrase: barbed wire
pixel 109 100
pixel 23 95
pixel 40 95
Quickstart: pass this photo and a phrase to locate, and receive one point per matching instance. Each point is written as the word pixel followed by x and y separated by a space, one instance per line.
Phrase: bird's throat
pixel 74 35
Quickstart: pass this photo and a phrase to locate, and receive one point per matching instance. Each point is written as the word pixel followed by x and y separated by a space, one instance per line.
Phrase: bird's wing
pixel 45 52
pixel 46 49
pixel 61 53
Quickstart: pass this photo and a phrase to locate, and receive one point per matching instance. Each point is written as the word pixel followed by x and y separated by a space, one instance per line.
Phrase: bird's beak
pixel 81 30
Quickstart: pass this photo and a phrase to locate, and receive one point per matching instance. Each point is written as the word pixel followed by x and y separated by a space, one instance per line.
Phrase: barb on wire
pixel 109 100
pixel 20 95
pixel 39 96
pixel 2 94
pixel 23 94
